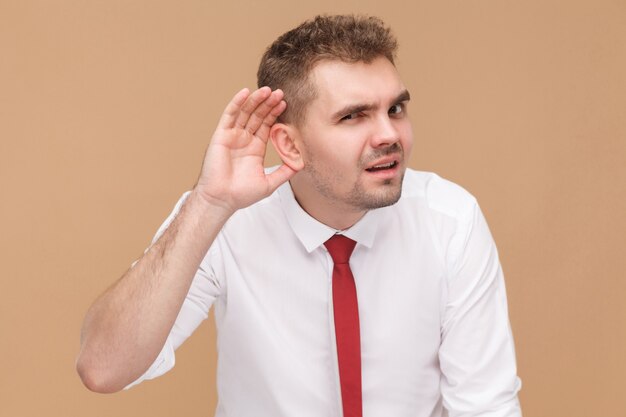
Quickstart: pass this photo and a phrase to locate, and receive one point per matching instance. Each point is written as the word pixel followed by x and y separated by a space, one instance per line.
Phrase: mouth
pixel 383 167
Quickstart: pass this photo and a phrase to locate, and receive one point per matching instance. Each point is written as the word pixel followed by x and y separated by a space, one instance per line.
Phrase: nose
pixel 385 132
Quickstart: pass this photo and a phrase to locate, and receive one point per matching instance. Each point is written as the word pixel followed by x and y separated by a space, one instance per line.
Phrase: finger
pixel 279 177
pixel 251 103
pixel 260 113
pixel 227 120
pixel 264 131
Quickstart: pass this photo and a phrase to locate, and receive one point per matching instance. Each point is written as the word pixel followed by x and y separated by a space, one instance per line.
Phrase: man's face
pixel 356 136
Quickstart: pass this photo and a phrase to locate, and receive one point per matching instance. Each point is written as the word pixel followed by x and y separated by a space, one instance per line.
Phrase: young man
pixel 412 321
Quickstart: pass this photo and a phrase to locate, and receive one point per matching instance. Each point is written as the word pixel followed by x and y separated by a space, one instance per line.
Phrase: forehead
pixel 338 84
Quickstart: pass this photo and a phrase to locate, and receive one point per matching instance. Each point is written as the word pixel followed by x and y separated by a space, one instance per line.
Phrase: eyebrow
pixel 356 108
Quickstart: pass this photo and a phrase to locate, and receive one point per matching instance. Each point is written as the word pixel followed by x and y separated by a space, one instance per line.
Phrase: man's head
pixel 287 63
pixel 346 131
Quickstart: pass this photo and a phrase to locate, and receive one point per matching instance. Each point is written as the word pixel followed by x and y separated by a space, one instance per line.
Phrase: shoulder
pixel 437 194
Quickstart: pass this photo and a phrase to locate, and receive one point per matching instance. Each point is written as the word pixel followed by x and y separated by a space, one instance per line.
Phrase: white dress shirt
pixel 435 334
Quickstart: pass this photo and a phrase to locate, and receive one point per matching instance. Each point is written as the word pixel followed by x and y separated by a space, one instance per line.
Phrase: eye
pixel 397 108
pixel 350 116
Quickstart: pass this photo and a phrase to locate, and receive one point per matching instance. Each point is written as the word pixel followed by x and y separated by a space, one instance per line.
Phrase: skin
pixel 358 120
pixel 126 327
pixel 326 160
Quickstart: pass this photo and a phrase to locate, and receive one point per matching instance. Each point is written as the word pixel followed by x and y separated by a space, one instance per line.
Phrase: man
pixel 411 322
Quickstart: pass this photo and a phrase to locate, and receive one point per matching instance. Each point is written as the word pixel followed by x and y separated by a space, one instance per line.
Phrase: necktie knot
pixel 340 248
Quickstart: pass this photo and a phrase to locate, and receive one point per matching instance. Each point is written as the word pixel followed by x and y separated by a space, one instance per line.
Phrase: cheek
pixel 337 152
pixel 407 139
pixel 323 158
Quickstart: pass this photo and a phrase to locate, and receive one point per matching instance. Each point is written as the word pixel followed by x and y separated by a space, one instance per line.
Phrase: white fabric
pixel 435 334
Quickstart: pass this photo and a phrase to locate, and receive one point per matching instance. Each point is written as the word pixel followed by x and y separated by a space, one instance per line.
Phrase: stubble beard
pixel 386 195
pixel 358 198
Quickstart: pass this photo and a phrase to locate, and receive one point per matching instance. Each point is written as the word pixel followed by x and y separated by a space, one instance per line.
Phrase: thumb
pixel 279 177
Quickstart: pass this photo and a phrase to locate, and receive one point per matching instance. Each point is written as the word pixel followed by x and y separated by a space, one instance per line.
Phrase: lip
pixel 385 173
pixel 387 160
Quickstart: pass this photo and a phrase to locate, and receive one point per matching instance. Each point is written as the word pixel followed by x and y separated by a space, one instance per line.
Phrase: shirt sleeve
pixel 477 354
pixel 204 290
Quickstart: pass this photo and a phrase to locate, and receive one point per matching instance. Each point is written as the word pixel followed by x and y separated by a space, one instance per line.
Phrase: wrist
pixel 206 205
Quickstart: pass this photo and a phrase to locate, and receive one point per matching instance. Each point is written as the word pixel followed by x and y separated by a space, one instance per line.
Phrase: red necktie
pixel 347 330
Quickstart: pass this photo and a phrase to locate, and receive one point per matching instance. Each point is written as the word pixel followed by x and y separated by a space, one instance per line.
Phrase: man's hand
pixel 232 175
pixel 126 328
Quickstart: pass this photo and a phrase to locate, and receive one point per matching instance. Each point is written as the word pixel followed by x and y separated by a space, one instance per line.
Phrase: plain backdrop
pixel 106 108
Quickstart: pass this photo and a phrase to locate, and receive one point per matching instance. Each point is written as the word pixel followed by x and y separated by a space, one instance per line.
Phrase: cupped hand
pixel 233 174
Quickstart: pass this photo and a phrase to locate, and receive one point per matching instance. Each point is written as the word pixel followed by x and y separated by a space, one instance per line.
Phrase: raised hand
pixel 232 175
pixel 127 326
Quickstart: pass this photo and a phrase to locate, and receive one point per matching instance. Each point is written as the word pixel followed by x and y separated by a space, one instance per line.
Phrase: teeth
pixel 389 165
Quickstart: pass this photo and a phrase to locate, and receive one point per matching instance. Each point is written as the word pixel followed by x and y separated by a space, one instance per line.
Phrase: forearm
pixel 127 326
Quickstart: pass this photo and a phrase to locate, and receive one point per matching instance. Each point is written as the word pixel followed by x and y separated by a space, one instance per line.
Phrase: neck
pixel 332 213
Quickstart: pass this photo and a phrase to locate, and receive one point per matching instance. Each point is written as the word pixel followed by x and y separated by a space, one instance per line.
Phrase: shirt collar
pixel 313 233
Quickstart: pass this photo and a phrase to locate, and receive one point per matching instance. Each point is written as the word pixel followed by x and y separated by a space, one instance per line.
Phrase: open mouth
pixel 382 167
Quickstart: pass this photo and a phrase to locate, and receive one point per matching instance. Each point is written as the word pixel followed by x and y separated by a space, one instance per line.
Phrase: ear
pixel 283 138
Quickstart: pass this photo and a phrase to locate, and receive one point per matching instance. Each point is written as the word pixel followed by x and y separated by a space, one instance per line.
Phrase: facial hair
pixel 358 197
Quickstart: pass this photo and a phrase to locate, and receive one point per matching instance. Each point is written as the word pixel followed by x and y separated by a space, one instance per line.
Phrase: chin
pixel 387 196
pixel 384 201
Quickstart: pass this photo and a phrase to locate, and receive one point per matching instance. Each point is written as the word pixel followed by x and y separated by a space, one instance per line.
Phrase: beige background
pixel 106 108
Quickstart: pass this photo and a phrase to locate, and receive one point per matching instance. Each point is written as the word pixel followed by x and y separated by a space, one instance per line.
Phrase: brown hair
pixel 287 63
